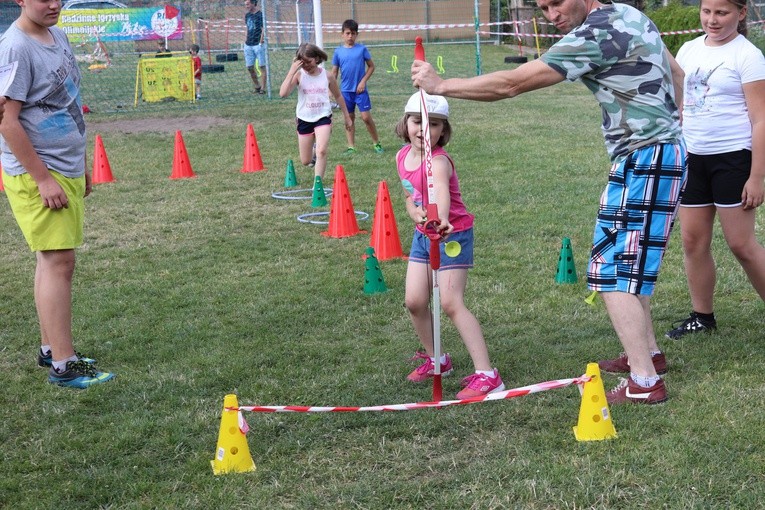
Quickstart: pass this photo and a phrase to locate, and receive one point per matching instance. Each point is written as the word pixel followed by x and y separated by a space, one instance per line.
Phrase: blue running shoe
pixel 46 361
pixel 78 374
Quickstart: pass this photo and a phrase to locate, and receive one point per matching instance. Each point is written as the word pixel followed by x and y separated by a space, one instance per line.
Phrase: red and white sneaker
pixel 425 370
pixel 629 391
pixel 478 385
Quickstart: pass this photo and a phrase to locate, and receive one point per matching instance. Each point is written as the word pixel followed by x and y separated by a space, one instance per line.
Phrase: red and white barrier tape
pixel 678 32
pixel 500 395
pixel 287 27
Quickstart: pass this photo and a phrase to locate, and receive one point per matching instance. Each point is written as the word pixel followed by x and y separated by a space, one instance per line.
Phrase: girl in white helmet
pixel 455 222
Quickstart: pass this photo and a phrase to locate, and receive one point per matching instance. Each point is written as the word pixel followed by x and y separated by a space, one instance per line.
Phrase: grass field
pixel 192 289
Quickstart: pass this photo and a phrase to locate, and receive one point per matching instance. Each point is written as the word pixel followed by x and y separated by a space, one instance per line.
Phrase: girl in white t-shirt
pixel 724 128
pixel 314 110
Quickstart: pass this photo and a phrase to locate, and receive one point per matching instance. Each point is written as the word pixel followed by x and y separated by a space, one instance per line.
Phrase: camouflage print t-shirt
pixel 618 53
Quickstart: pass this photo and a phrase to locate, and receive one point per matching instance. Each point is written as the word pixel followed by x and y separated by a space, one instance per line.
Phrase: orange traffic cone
pixel 342 217
pixel 181 164
pixel 102 170
pixel 385 238
pixel 252 159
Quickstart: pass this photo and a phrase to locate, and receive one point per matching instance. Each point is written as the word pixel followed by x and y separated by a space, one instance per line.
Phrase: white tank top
pixel 313 96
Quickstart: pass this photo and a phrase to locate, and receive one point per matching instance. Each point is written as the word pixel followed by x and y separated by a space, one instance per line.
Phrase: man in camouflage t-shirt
pixel 617 52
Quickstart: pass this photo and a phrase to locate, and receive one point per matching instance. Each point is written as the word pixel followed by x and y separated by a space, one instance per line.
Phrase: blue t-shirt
pixel 353 65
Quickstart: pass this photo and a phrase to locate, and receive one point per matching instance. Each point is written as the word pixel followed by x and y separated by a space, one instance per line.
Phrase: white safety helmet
pixel 437 106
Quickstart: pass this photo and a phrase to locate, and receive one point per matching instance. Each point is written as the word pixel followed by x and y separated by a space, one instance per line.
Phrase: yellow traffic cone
pixel 595 422
pixel 232 454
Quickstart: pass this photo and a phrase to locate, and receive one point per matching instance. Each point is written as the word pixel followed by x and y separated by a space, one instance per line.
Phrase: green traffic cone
pixel 373 277
pixel 290 180
pixel 566 268
pixel 319 198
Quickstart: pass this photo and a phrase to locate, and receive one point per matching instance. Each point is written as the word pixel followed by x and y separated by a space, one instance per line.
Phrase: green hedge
pixel 676 16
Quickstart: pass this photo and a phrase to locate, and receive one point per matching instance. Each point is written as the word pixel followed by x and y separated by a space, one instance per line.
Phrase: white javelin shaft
pixel 436 311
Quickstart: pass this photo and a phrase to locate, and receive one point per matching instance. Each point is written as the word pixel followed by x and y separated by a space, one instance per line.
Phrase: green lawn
pixel 192 289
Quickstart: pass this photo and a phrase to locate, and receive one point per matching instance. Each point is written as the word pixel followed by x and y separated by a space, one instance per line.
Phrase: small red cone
pixel 385 239
pixel 342 217
pixel 181 164
pixel 252 159
pixel 102 170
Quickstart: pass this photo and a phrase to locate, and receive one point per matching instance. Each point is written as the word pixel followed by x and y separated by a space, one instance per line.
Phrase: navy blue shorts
pixel 307 128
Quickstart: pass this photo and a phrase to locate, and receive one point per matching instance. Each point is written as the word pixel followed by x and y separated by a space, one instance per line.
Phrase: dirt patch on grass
pixel 166 125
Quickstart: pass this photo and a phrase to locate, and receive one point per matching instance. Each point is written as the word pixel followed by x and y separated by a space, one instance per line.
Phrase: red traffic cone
pixel 102 170
pixel 385 239
pixel 252 159
pixel 181 164
pixel 342 217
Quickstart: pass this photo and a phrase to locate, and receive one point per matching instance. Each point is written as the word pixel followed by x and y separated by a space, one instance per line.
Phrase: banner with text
pixel 131 24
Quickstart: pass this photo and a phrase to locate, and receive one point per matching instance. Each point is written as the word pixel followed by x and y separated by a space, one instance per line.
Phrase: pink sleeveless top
pixel 415 181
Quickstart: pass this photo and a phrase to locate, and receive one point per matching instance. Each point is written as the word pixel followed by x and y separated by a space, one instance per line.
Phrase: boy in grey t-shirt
pixel 42 138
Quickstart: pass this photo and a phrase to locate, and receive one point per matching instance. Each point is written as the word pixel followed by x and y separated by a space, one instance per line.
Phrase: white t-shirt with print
pixel 715 116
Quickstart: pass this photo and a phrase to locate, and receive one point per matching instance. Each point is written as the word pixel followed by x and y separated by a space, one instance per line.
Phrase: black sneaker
pixel 78 374
pixel 693 324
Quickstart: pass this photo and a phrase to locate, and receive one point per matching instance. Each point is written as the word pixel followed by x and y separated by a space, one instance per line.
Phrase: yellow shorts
pixel 47 229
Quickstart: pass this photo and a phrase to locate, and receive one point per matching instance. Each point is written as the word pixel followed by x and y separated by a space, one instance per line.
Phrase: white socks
pixel 60 366
pixel 644 382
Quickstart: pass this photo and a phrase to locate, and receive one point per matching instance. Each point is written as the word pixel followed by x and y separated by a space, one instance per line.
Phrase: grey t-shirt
pixel 47 82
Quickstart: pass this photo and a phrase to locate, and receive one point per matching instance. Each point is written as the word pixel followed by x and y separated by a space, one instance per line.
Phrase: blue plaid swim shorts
pixel 636 215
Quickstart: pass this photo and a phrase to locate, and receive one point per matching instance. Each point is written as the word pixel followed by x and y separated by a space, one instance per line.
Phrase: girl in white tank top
pixel 314 110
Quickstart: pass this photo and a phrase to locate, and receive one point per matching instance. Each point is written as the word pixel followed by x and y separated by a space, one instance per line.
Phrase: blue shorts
pixel 636 215
pixel 352 100
pixel 717 179
pixel 252 53
pixel 420 251
pixel 307 128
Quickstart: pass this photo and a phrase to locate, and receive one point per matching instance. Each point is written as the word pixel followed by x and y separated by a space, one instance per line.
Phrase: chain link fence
pixel 118 47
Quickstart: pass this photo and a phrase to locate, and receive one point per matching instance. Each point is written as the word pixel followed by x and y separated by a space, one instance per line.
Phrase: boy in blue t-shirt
pixel 354 62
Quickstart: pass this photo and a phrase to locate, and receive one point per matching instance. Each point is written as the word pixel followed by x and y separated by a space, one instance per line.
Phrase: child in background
pixel 350 60
pixel 454 221
pixel 162 50
pixel 313 112
pixel 197 70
